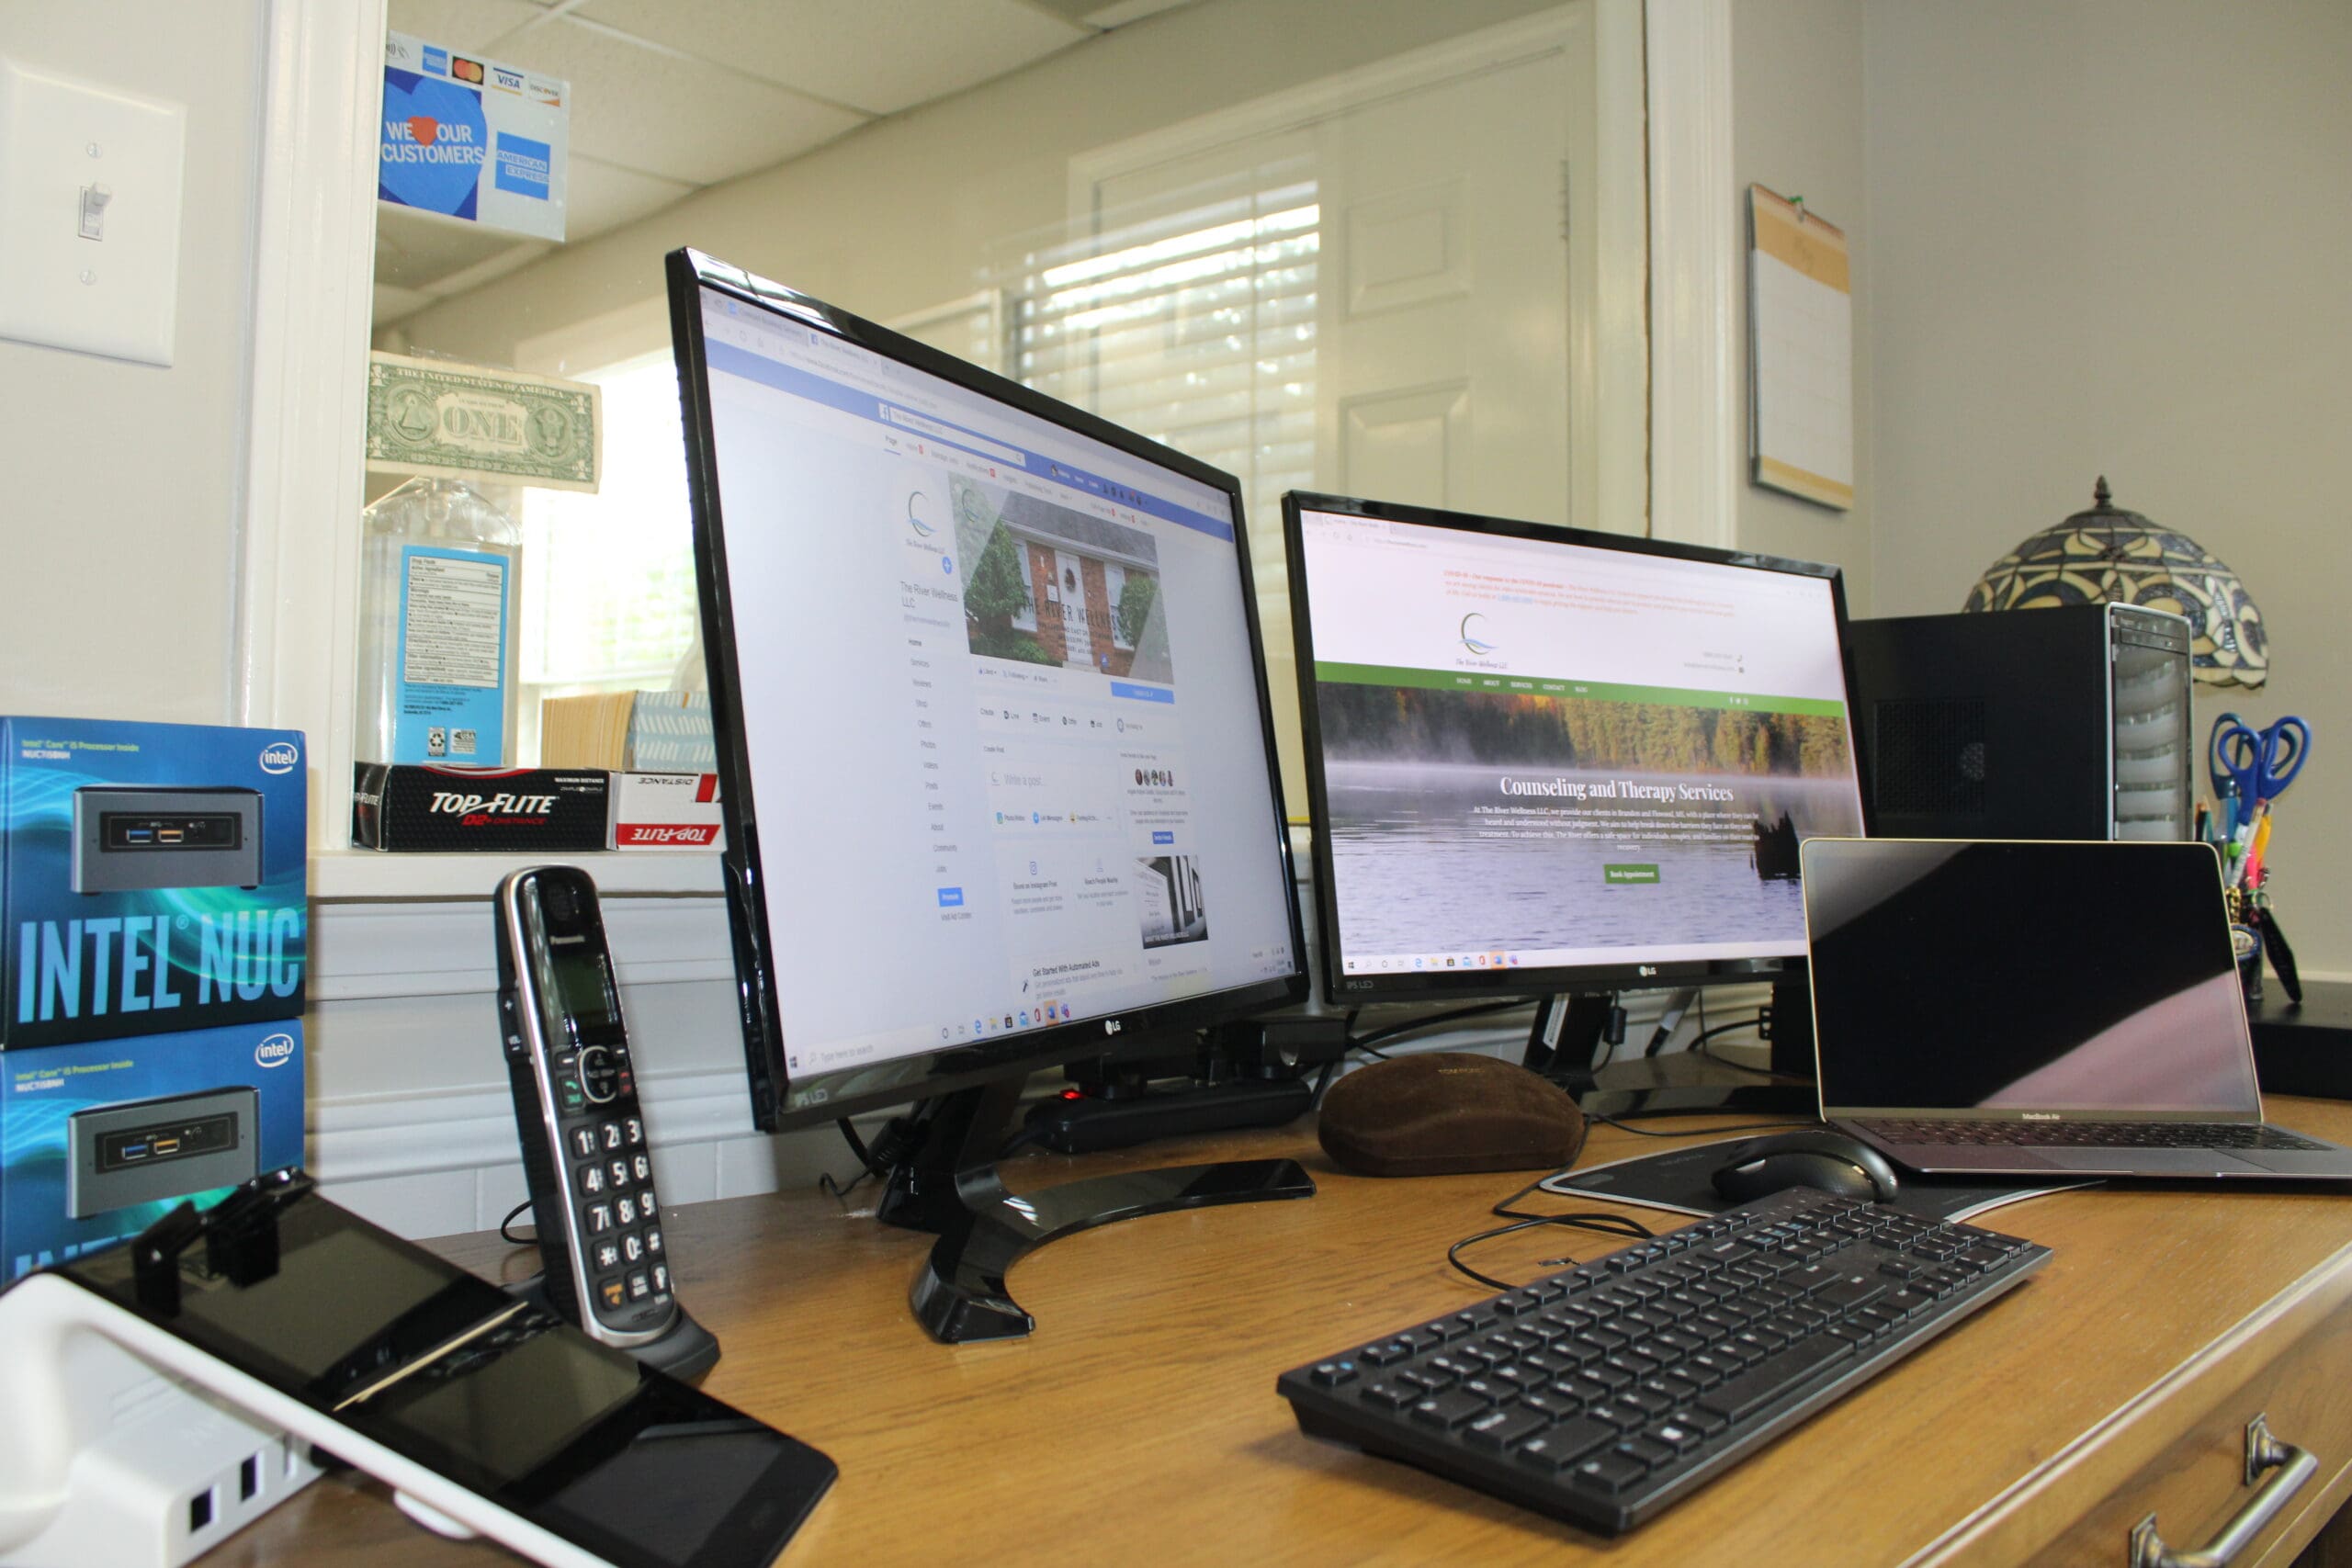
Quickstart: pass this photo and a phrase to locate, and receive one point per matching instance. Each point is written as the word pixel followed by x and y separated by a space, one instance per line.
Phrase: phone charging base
pixel 686 1353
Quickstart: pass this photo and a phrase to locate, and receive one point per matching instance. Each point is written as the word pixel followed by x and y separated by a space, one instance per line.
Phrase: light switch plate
pixel 115 294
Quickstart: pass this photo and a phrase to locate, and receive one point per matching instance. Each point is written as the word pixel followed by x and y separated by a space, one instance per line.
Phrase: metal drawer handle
pixel 2263 1452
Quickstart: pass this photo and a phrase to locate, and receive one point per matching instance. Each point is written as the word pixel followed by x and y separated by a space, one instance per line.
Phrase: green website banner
pixel 1483 682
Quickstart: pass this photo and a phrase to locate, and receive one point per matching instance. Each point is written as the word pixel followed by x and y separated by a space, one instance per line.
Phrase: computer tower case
pixel 2070 722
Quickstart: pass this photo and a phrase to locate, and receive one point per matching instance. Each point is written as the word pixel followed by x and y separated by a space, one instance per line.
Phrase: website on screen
pixel 1538 755
pixel 997 703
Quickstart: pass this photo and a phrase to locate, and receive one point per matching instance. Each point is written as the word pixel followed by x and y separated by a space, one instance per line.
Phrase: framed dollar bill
pixel 467 422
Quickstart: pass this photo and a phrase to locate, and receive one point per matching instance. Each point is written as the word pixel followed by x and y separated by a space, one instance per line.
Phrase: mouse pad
pixel 1681 1179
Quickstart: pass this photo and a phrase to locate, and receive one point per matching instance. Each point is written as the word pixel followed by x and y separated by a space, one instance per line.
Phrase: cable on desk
pixel 508 1235
pixel 1624 1126
pixel 1607 1224
pixel 1699 1043
pixel 1366 1042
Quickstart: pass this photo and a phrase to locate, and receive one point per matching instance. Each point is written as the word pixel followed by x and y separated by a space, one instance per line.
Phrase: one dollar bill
pixel 429 416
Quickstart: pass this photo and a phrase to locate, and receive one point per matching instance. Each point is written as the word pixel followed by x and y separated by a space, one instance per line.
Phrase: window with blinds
pixel 1194 325
pixel 608 579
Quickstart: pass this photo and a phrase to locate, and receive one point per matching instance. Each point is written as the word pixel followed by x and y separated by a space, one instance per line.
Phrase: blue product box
pixel 152 879
pixel 100 1140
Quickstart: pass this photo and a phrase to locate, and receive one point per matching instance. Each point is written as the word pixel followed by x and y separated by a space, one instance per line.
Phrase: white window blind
pixel 608 579
pixel 1193 325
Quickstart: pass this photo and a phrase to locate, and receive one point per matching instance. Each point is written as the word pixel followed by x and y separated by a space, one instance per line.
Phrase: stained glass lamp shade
pixel 2108 555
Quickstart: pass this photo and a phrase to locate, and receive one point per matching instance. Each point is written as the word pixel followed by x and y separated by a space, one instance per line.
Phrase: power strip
pixel 164 1473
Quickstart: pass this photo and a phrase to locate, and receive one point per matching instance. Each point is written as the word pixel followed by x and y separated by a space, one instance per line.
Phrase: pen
pixel 2229 811
pixel 2204 819
pixel 2261 844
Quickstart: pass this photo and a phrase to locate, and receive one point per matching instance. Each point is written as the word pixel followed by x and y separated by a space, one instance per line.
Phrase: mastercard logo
pixel 464 69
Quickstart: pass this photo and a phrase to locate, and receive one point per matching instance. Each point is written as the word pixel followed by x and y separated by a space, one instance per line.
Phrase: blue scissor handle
pixel 2259 764
pixel 2230 737
pixel 2285 745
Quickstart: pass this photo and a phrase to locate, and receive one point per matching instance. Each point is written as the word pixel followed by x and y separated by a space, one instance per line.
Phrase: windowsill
pixel 369 876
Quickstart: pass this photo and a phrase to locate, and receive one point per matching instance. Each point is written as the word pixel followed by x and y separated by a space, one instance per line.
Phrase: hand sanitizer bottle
pixel 438 602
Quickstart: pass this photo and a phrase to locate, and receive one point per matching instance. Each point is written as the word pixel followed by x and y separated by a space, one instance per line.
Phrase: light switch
pixel 89 214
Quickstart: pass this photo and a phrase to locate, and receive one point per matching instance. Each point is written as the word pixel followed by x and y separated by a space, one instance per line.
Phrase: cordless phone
pixel 584 1149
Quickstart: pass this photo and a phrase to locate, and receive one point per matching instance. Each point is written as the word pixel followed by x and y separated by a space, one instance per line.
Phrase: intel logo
pixel 280 758
pixel 273 1052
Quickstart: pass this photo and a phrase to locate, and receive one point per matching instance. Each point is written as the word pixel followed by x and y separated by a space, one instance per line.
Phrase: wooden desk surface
pixel 1140 1422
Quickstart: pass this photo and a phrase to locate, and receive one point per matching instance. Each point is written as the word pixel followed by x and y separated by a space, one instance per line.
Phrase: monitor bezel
pixel 1340 989
pixel 926 1074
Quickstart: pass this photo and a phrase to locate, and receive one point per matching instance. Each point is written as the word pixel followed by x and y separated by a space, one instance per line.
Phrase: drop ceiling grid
pixel 879 56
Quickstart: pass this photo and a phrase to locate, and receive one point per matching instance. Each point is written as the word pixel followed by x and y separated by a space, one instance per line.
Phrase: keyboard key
pixel 1675 1435
pixel 1648 1451
pixel 1610 1472
pixel 1449 1410
pixel 1549 1405
pixel 1500 1428
pixel 1768 1379
pixel 1331 1374
pixel 1390 1395
pixel 1564 1445
pixel 1852 1291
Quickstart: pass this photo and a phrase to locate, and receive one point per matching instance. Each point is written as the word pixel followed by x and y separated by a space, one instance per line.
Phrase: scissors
pixel 2258 764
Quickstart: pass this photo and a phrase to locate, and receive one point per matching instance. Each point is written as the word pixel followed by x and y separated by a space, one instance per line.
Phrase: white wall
pixel 119 520
pixel 2109 236
pixel 1797 129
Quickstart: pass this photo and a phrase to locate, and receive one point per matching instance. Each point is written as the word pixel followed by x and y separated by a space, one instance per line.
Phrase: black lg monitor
pixel 995 750
pixel 1552 762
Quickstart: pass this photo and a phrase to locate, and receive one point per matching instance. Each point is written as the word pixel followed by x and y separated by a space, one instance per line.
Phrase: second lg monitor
pixel 1546 760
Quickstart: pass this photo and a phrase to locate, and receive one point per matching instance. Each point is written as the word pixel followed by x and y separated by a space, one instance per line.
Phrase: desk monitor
pixel 1542 761
pixel 996 753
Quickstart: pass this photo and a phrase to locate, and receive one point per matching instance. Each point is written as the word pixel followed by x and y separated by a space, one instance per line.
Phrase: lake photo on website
pixel 1481 856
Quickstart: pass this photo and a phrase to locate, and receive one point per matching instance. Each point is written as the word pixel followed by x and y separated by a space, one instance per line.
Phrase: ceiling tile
pixel 461 24
pixel 601 197
pixel 514 258
pixel 683 120
pixel 417 250
pixel 877 55
pixel 1109 14
pixel 393 302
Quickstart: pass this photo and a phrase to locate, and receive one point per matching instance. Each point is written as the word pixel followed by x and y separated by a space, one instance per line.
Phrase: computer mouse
pixel 1815 1158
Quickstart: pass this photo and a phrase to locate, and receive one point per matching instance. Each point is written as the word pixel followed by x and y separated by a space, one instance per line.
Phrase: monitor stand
pixel 951 1185
pixel 1566 1033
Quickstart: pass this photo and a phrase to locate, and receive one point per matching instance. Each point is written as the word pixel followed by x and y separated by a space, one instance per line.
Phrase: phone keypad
pixel 612 1168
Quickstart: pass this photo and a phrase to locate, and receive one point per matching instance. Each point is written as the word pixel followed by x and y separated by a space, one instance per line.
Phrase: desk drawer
pixel 2179 1451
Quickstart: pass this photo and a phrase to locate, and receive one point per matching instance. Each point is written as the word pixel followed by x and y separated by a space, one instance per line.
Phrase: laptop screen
pixel 2011 976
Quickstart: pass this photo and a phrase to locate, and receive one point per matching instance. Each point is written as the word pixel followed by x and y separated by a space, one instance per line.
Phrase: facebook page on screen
pixel 997 703
pixel 1541 754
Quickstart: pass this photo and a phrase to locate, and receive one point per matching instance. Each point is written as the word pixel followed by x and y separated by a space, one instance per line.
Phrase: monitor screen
pixel 1547 760
pixel 2136 1008
pixel 996 751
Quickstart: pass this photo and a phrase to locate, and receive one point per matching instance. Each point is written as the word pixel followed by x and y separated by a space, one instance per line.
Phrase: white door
pixel 1420 350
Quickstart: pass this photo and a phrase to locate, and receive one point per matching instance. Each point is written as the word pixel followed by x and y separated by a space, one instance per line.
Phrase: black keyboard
pixel 1605 1393
pixel 2095 1134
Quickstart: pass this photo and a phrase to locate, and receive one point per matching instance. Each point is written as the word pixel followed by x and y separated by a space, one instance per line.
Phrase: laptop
pixel 2023 1007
